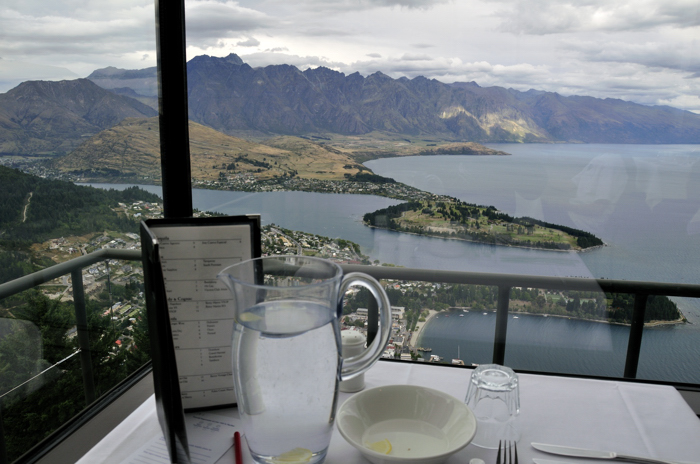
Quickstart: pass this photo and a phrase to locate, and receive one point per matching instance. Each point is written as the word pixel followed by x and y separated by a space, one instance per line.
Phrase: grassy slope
pixel 130 151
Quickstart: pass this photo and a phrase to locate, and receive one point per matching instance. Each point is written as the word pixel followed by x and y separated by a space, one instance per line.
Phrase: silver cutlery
pixel 550 461
pixel 594 454
pixel 510 449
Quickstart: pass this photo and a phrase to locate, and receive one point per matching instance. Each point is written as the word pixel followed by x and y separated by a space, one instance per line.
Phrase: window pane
pixel 66 114
pixel 353 129
pixel 586 173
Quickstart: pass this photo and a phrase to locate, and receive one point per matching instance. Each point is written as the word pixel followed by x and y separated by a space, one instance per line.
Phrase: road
pixel 298 245
pixel 26 207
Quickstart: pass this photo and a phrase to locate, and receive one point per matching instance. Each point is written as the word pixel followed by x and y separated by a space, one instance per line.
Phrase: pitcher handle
pixel 356 365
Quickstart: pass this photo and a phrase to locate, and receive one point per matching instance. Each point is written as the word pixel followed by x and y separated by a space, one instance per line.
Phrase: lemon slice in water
pixel 250 317
pixel 297 455
pixel 382 446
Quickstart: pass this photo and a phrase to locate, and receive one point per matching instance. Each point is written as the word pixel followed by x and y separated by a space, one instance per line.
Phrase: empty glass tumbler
pixel 494 398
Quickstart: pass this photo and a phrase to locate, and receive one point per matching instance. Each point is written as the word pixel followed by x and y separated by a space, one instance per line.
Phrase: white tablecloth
pixel 629 418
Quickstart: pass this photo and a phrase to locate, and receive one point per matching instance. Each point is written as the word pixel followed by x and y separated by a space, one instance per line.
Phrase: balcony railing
pixel 504 282
pixel 73 267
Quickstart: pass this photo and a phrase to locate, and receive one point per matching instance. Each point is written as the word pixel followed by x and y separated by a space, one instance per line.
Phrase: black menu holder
pixel 188 319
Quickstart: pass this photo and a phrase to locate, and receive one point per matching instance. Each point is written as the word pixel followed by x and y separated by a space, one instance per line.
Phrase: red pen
pixel 237 448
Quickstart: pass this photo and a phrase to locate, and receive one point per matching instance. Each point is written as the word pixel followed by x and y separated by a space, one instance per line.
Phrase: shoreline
pixel 421 325
pixel 682 320
pixel 419 328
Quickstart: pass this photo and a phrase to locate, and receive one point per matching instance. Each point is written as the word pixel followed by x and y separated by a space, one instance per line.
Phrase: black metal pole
pixel 634 345
pixel 83 336
pixel 499 342
pixel 172 108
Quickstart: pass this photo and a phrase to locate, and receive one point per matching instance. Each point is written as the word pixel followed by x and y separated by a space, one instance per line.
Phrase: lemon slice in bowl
pixel 382 446
pixel 297 455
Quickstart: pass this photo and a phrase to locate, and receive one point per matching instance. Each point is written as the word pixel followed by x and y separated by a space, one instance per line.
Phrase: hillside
pixel 403 116
pixel 232 97
pixel 34 209
pixel 53 118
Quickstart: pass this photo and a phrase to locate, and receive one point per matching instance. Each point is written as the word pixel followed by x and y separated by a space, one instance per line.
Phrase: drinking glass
pixel 287 361
pixel 494 398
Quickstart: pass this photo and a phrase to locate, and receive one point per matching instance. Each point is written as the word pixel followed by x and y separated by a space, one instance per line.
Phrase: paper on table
pixel 209 436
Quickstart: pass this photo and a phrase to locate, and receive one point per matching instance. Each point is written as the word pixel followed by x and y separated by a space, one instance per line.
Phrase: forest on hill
pixel 454 218
pixel 36 332
pixel 34 210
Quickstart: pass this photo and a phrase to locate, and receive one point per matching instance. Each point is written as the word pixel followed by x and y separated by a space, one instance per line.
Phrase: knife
pixel 549 461
pixel 593 454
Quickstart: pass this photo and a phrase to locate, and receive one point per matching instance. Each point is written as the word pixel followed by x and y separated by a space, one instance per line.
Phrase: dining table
pixel 627 417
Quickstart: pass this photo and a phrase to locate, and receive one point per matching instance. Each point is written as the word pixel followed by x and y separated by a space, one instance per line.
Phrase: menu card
pixel 189 316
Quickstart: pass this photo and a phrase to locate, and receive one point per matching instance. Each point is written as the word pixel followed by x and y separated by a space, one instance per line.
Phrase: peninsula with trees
pixel 452 218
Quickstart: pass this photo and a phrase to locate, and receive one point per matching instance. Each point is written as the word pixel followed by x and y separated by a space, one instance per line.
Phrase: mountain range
pixel 41 117
pixel 229 96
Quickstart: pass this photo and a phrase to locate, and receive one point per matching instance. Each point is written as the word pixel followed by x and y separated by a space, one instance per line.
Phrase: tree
pixel 540 301
pixel 141 348
pixel 53 319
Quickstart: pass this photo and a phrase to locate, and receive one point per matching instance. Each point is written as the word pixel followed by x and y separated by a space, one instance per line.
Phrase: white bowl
pixel 424 426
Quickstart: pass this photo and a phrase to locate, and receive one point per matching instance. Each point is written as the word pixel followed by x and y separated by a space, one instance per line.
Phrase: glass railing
pixel 84 348
pixel 58 356
pixel 579 326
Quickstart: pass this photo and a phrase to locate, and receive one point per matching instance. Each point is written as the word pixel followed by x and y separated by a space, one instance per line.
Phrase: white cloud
pixel 348 5
pixel 645 50
pixel 683 101
pixel 415 57
pixel 555 16
pixel 259 59
pixel 208 21
pixel 79 37
pixel 13 73
pixel 683 56
pixel 250 42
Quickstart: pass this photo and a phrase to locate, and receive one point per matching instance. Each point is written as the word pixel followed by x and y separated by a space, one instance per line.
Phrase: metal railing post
pixel 499 341
pixel 83 335
pixel 173 109
pixel 634 345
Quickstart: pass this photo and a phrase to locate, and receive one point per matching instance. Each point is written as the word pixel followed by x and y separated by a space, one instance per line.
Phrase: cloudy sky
pixel 647 51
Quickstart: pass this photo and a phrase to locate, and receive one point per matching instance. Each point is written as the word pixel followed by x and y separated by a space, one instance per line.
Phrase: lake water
pixel 643 201
pixel 554 344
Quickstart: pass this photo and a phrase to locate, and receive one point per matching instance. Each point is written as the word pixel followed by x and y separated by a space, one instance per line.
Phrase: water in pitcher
pixel 288 362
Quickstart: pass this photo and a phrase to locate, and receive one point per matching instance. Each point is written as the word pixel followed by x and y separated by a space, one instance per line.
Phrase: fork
pixel 509 449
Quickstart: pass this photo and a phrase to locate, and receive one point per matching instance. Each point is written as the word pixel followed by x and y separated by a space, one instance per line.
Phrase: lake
pixel 643 201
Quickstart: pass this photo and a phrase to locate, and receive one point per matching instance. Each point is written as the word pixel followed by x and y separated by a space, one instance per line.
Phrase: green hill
pixel 453 218
pixel 55 208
